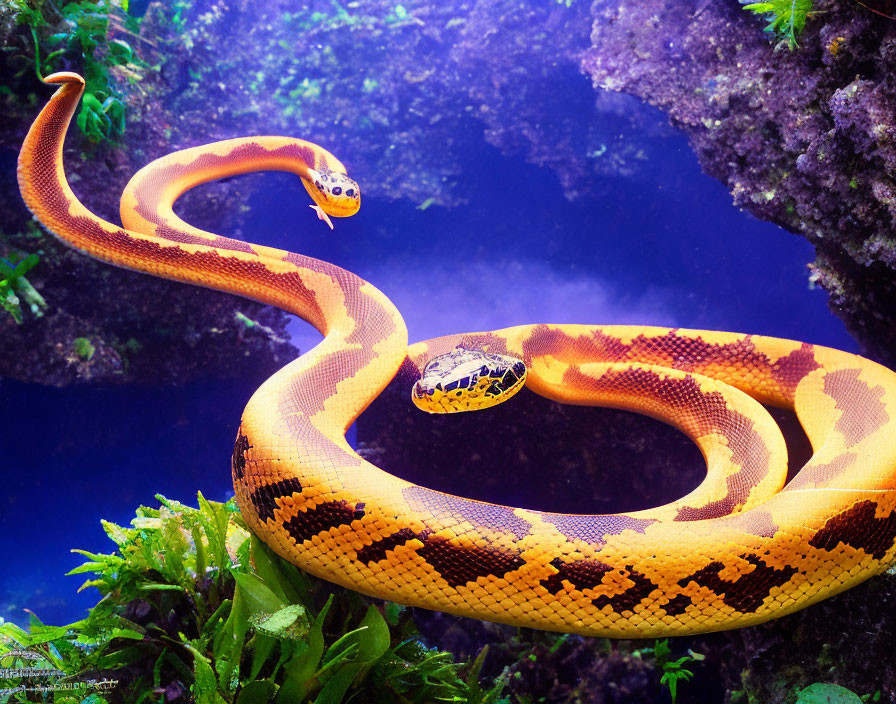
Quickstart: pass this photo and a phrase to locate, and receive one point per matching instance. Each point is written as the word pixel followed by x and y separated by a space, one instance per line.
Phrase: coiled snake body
pixel 738 550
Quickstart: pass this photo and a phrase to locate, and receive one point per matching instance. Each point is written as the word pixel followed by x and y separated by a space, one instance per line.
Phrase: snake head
pixel 336 194
pixel 467 380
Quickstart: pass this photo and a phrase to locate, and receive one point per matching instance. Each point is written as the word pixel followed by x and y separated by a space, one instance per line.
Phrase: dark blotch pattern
pixel 677 605
pixel 332 514
pixel 377 550
pixel 859 528
pixel 265 498
pixel 748 591
pixel 631 597
pixel 584 574
pixel 238 460
pixel 459 565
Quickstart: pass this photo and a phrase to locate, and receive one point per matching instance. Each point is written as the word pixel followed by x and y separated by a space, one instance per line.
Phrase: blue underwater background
pixel 521 161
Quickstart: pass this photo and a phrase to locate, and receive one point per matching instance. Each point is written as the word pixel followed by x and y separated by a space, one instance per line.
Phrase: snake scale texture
pixel 740 549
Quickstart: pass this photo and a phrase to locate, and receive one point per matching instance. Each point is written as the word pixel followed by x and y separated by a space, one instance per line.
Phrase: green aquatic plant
pixel 786 18
pixel 84 348
pixel 82 34
pixel 16 290
pixel 673 670
pixel 192 602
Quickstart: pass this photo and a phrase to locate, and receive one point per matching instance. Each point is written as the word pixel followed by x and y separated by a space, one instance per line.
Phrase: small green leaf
pixel 120 52
pixel 823 693
pixel 661 649
pixel 374 640
pixel 372 637
pixel 787 18
pixel 288 622
pixel 334 690
pixel 84 348
pixel 263 647
pixel 116 533
pixel 259 599
pixel 152 587
pixel 266 567
pixel 90 102
pixel 258 692
pixel 302 666
pixel 199 547
pixel 205 686
pixel 11 305
pixel 25 265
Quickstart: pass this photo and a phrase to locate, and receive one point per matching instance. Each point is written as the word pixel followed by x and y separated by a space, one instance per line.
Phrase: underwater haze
pixel 520 162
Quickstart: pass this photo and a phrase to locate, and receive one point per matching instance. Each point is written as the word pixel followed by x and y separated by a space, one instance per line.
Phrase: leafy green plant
pixel 673 671
pixel 786 18
pixel 191 601
pixel 83 35
pixel 16 290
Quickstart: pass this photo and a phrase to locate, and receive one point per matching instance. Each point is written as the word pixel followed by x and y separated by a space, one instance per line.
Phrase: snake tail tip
pixel 64 77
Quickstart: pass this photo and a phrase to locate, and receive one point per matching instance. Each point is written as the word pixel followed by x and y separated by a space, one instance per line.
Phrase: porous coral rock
pixel 803 138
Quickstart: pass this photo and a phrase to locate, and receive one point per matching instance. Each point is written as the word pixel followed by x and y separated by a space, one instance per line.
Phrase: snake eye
pixel 350 192
pixel 337 191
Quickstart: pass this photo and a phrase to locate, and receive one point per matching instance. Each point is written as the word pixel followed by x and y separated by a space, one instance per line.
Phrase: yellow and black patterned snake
pixel 740 549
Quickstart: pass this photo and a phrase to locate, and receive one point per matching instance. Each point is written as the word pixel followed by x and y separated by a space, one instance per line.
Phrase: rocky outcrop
pixel 803 138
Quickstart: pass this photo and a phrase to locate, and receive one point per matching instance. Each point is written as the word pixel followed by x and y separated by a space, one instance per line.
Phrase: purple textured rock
pixel 803 138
